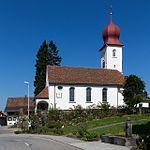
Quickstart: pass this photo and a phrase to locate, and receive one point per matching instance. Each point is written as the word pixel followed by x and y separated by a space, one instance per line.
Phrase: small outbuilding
pixel 17 105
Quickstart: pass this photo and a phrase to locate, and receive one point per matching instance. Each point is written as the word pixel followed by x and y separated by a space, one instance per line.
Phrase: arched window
pixel 104 95
pixel 114 53
pixel 88 94
pixel 71 94
pixel 114 66
pixel 103 64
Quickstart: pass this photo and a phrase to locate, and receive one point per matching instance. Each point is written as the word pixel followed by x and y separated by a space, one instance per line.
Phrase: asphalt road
pixel 5 130
pixel 27 142
pixel 11 141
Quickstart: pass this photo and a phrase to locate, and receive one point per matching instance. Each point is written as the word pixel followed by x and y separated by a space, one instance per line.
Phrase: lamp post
pixel 27 83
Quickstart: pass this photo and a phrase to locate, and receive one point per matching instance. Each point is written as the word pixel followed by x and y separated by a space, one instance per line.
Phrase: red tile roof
pixel 146 100
pixel 87 76
pixel 15 104
pixel 43 94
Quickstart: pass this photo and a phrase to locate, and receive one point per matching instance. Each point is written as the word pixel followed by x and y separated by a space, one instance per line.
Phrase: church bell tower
pixel 111 52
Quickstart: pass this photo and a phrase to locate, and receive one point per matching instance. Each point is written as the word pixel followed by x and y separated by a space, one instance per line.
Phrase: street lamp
pixel 27 83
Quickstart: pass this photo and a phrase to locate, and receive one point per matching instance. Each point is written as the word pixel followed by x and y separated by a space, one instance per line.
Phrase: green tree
pixel 134 91
pixel 46 55
pixel 54 59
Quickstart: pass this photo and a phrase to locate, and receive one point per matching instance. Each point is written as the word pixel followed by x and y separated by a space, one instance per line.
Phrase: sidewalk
pixel 96 145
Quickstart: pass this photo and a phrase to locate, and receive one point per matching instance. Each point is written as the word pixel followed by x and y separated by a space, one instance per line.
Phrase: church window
pixel 104 95
pixel 114 66
pixel 114 53
pixel 71 94
pixel 103 64
pixel 88 94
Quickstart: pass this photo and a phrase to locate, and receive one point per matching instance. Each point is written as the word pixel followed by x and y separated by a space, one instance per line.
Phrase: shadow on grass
pixel 142 129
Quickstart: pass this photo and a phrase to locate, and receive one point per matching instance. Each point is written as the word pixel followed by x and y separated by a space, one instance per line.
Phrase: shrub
pixel 42 130
pixel 81 130
pixel 54 124
pixel 57 131
pixel 23 123
pixel 90 136
pixel 83 134
pixel 67 116
pixel 55 127
pixel 17 132
pixel 35 121
pixel 104 106
pixel 53 115
pixel 145 144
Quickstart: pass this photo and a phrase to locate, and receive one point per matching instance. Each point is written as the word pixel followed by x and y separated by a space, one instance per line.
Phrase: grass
pixel 114 119
pixel 114 129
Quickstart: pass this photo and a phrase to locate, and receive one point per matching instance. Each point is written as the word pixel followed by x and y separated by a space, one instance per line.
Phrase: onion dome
pixel 111 34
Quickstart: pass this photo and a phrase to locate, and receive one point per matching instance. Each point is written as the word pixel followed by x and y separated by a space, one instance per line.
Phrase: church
pixel 71 86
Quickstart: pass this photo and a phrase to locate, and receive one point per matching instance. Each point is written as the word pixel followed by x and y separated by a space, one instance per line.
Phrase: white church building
pixel 70 86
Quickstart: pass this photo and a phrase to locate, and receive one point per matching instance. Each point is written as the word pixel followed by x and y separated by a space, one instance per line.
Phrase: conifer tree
pixel 46 55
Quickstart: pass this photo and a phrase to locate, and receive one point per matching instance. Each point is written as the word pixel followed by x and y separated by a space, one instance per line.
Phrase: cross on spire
pixel 110 13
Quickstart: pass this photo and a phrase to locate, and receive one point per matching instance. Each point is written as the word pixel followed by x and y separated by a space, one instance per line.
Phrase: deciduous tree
pixel 134 91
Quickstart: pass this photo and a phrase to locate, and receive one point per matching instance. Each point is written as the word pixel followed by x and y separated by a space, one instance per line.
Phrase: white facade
pixel 145 104
pixel 12 120
pixel 60 98
pixel 111 57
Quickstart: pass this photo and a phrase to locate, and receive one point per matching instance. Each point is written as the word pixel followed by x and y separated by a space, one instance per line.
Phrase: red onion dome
pixel 111 34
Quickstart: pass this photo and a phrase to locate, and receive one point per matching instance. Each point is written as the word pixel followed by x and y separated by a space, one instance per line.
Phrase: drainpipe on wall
pixel 117 97
pixel 54 97
pixel 35 110
pixel 51 105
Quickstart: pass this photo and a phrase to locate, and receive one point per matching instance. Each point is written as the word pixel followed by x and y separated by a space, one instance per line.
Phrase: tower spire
pixel 111 33
pixel 110 13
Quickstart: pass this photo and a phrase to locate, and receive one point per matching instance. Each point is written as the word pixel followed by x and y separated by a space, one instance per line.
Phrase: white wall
pixel 12 119
pixel 144 104
pixel 120 97
pixel 61 97
pixel 107 55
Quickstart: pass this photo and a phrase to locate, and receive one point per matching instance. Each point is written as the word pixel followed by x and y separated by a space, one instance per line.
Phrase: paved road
pixel 27 142
pixel 10 141
pixel 5 130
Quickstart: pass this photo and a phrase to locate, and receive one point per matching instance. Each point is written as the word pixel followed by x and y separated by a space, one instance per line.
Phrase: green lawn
pixel 114 129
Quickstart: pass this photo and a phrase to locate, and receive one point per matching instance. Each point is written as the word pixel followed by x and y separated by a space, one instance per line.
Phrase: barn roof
pixel 15 104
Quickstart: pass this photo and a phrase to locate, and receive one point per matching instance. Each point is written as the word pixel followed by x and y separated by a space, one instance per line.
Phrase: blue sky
pixel 76 28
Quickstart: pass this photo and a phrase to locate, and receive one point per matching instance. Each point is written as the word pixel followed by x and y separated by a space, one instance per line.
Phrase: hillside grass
pixel 109 125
